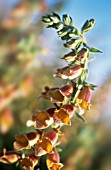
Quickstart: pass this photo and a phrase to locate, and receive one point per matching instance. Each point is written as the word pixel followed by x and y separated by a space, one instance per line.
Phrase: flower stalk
pixel 70 100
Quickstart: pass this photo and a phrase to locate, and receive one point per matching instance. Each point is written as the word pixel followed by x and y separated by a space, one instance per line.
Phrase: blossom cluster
pixel 70 100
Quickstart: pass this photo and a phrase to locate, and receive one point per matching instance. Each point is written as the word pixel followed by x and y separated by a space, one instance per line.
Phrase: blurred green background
pixel 30 54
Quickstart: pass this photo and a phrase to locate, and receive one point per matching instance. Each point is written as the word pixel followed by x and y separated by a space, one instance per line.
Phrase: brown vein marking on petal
pixel 40 119
pixel 52 136
pixel 33 137
pixel 63 115
pixel 38 150
pixel 21 142
pixel 45 144
pixel 56 96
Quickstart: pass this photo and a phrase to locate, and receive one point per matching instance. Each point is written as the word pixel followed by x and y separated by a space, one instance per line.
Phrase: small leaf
pixel 94 50
pixel 59 149
pixel 81 118
pixel 57 144
pixel 92 86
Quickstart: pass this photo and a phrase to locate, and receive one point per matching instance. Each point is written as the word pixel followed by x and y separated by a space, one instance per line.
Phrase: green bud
pixel 88 25
pixel 55 18
pixel 73 43
pixel 67 20
pixel 63 32
pixel 46 19
pixel 59 26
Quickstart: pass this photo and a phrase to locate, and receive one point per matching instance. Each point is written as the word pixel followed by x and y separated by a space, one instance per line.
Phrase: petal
pixel 85 94
pixel 69 108
pixel 46 144
pixel 27 164
pixel 52 136
pixel 33 137
pixel 21 142
pixel 67 90
pixel 56 96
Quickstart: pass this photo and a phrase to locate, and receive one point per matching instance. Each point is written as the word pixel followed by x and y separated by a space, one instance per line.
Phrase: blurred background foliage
pixel 29 55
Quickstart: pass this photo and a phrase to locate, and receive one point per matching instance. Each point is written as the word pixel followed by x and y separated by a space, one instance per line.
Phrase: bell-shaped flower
pixel 25 141
pixel 9 157
pixel 42 120
pixel 83 99
pixel 53 161
pixel 58 95
pixel 69 72
pixel 29 162
pixel 45 145
pixel 61 116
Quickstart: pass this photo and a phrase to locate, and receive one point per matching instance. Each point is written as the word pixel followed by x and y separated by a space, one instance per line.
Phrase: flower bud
pixel 88 25
pixel 70 56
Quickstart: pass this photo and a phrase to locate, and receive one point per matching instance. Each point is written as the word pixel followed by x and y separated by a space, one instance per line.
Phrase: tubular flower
pixel 70 56
pixel 53 161
pixel 42 120
pixel 83 99
pixel 62 115
pixel 25 141
pixel 69 72
pixel 45 145
pixel 58 95
pixel 9 157
pixel 29 162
